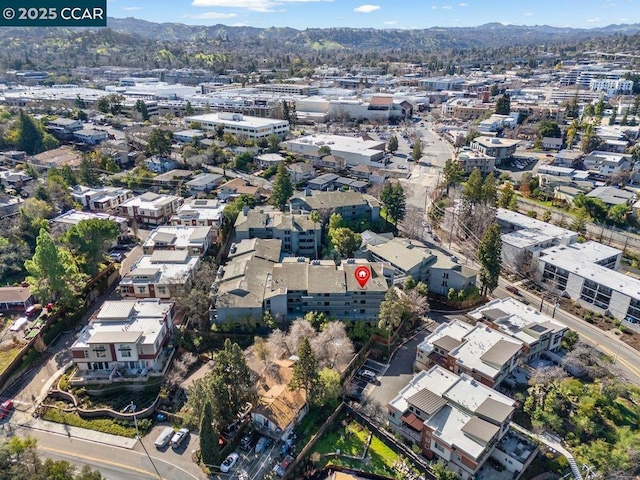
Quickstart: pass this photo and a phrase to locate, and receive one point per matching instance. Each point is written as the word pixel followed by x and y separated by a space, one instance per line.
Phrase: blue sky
pixel 302 14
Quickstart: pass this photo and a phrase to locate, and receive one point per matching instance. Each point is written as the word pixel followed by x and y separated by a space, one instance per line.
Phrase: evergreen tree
pixel 89 240
pixel 159 143
pixel 453 174
pixel 508 193
pixel 503 105
pixel 68 175
pixel 392 146
pixel 391 311
pixel 141 107
pixel 416 151
pixel 305 370
pixel 472 192
pixel 282 188
pixel 30 136
pixel 489 256
pixel 345 241
pixel 188 109
pixel 87 174
pixel 489 191
pixel 209 448
pixel 394 201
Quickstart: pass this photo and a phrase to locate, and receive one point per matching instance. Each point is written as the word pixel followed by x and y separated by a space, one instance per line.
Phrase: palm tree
pixel 314 216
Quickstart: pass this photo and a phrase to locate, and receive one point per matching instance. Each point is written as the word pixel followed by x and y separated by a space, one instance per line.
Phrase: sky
pixel 403 14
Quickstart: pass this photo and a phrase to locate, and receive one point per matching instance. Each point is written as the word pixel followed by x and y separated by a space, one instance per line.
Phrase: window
pixel 86 353
pixel 100 351
pixel 437 446
pixel 142 289
pixel 125 351
pixel 445 283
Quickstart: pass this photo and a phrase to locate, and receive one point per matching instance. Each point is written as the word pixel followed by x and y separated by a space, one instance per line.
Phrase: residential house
pixel 481 352
pixel 236 187
pixel 163 274
pixel 188 136
pixel 469 160
pixel 299 235
pixel 612 196
pixel 195 240
pixel 568 158
pixel 204 182
pixel 301 172
pixel 538 332
pixel 604 165
pixel 70 218
pixel 330 163
pixel 345 183
pixel 124 339
pixel 267 160
pixel 58 157
pixel 200 213
pixel 67 124
pixel 14 179
pixel 150 208
pixel 454 419
pixel 90 136
pixel 551 143
pixel 171 180
pixel 279 408
pixel 15 298
pixel 325 182
pixel 100 199
pixel 160 164
pixel 351 205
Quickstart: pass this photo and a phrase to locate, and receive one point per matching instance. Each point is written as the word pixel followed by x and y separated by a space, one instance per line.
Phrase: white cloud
pixel 263 6
pixel 131 9
pixel 463 4
pixel 391 22
pixel 433 7
pixel 366 8
pixel 211 15
pixel 447 7
pixel 623 20
pixel 593 20
pixel 527 14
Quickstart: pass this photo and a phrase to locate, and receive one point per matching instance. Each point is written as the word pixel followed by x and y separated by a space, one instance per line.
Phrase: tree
pixel 209 448
pixel 453 174
pixel 422 289
pixel 619 214
pixel 394 200
pixel 489 256
pixel 442 472
pixel 489 191
pixel 314 216
pixel 111 103
pixel 141 107
pixel 409 283
pixel 506 196
pixel 30 136
pixel 273 142
pixel 472 192
pixel 89 240
pixel 548 128
pixel 392 145
pixel 282 188
pixel 68 176
pixel 503 105
pixel 579 223
pixel 159 143
pixel 345 241
pixel 546 216
pixel 33 217
pixel 87 174
pixel 329 387
pixel 316 319
pixel 188 109
pixel 52 272
pixel 324 150
pixel 416 151
pixel 305 370
pixel 335 221
pixel 391 310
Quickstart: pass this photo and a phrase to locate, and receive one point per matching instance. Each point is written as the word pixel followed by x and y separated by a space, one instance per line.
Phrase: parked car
pixel 247 441
pixel 281 468
pixel 230 430
pixel 33 310
pixel 164 438
pixel 116 256
pixel 179 437
pixel 368 375
pixel 5 408
pixel 262 444
pixel 229 462
pixel 514 290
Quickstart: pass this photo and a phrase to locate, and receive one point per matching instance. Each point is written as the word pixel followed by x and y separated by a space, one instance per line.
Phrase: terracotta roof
pixel 381 101
pixel 413 421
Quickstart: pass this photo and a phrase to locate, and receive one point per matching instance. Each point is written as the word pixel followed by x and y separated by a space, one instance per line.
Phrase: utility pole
pixel 132 407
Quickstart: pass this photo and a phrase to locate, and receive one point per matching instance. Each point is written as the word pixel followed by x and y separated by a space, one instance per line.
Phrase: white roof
pixel 150 201
pixel 170 273
pixel 454 329
pixel 339 143
pixel 179 236
pixel 242 120
pixel 73 217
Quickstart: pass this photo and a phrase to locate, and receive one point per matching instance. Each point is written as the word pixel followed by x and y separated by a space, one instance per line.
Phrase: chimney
pixel 245 210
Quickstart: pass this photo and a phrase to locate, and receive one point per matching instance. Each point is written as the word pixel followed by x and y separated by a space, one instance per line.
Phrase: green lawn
pixel 351 441
pixel 7 356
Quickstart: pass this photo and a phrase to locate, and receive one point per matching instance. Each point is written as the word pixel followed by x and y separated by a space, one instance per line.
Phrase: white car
pixel 229 462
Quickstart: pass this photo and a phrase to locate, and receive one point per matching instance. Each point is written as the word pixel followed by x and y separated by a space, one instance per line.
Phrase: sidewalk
pixel 80 433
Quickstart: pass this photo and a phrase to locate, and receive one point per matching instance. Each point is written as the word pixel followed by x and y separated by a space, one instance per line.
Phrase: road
pixel 118 463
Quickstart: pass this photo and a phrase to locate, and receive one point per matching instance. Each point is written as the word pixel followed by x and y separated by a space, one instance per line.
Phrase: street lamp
pixel 132 407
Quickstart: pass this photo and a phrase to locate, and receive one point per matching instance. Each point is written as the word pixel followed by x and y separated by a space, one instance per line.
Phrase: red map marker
pixel 362 274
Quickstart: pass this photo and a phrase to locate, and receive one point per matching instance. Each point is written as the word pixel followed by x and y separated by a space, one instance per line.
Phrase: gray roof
pixel 480 429
pixel 494 410
pixel 494 314
pixel 164 237
pixel 170 256
pixel 331 200
pixel 611 195
pixel 426 401
pixel 500 353
pixel 447 343
pixel 116 310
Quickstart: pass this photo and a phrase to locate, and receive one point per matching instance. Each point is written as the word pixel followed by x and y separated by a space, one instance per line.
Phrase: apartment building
pixel 299 235
pixel 469 160
pixel 150 208
pixel 354 150
pixel 456 420
pixel 603 165
pixel 538 332
pixel 163 274
pixel 351 205
pixel 124 339
pixel 200 213
pixel 100 199
pixel 481 352
pixel 195 240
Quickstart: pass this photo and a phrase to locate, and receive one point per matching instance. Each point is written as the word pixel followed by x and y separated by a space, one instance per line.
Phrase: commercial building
pixel 163 274
pixel 100 199
pixel 124 340
pixel 354 150
pixel 481 352
pixel 538 332
pixel 238 124
pixel 195 240
pixel 150 208
pixel 457 420
pixel 469 160
pixel 499 148
pixel 299 235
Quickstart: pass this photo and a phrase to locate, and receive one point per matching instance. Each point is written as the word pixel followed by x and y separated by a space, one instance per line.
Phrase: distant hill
pixel 489 35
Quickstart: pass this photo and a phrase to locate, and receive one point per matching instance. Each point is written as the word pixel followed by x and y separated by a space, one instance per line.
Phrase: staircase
pixel 574 468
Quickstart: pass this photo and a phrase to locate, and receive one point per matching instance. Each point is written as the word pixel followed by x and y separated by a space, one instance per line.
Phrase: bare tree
pixel 299 330
pixel 547 375
pixel 278 344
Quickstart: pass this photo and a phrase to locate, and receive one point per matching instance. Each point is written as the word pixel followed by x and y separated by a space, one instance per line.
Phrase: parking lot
pixel 252 465
pixel 363 382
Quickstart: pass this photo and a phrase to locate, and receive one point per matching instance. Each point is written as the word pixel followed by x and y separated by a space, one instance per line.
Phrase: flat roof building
pixel 354 150
pixel 238 124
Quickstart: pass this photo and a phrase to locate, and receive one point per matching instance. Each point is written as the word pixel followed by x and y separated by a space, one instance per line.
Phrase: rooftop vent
pixel 301 259
pixel 351 260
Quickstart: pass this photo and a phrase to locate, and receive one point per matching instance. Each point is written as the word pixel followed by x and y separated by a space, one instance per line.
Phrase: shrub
pixel 532 214
pixel 105 425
